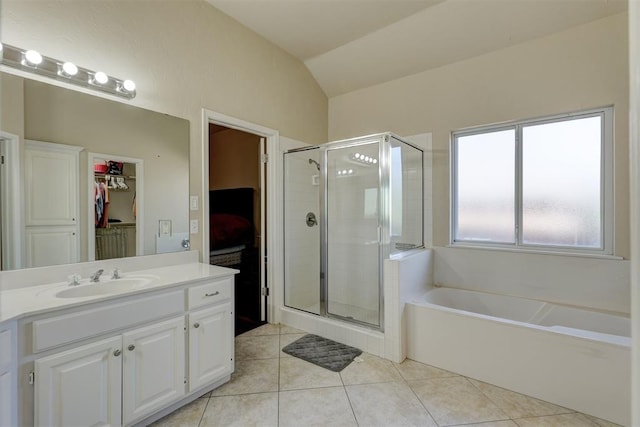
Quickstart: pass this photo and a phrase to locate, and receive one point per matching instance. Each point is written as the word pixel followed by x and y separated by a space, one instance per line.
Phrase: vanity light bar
pixel 361 158
pixel 33 62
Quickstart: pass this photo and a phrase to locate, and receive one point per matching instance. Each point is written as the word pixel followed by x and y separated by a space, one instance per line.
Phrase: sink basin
pixel 106 288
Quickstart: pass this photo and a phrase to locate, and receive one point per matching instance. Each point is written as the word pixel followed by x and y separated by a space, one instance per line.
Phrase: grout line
pixel 205 409
pixel 422 403
pixel 344 388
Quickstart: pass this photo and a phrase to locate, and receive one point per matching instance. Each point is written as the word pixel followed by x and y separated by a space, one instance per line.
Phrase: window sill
pixel 536 251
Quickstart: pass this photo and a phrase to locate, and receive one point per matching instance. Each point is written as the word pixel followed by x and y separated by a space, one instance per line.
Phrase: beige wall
pixel 577 69
pixel 184 55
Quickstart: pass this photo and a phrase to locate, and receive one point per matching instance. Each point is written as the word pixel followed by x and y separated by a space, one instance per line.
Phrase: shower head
pixel 311 161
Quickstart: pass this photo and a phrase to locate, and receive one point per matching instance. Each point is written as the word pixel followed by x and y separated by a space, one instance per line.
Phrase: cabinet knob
pixel 131 347
pixel 117 353
pixel 196 325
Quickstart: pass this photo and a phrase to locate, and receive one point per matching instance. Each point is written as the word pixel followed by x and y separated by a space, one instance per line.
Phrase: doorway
pixel 237 227
pixel 115 207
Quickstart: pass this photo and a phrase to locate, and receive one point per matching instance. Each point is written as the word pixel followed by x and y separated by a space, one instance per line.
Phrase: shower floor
pixel 355 312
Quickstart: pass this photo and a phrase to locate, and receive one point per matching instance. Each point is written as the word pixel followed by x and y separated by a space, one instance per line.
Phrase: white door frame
pixel 91 226
pixel 12 203
pixel 274 224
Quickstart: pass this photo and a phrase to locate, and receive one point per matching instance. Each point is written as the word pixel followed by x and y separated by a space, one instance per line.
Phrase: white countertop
pixel 30 300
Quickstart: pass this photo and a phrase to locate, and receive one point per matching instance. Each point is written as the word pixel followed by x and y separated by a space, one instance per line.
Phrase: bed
pixel 231 229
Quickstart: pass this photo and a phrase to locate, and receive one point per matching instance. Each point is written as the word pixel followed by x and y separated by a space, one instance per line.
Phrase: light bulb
pixel 129 85
pixel 100 77
pixel 357 155
pixel 375 161
pixel 33 57
pixel 69 69
pixel 350 171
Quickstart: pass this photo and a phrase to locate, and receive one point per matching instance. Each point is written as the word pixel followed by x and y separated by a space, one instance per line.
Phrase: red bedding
pixel 229 230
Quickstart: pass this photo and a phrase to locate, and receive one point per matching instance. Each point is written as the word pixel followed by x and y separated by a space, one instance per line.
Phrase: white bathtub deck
pixel 554 364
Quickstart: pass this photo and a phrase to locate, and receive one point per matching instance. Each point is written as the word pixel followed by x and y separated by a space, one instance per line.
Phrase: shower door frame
pixel 384 148
pixel 383 223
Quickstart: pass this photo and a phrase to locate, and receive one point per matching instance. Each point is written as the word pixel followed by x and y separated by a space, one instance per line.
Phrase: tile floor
pixel 271 388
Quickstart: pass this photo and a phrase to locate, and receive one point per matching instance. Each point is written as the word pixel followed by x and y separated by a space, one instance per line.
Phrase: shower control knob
pixel 311 219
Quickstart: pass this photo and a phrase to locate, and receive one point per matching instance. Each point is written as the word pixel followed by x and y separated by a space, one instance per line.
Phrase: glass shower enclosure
pixel 348 205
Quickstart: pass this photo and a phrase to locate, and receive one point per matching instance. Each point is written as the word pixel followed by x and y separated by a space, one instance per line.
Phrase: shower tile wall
pixel 302 243
pixel 406 176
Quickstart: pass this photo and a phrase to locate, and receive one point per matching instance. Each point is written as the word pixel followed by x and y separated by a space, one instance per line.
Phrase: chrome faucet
pixel 95 277
pixel 116 274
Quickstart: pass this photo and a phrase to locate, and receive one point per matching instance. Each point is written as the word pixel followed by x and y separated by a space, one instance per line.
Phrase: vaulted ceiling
pixel 352 44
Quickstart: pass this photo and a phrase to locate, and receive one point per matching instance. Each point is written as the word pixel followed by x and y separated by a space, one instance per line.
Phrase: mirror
pixel 104 130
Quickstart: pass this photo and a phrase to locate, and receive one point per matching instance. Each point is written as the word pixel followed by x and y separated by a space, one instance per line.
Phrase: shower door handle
pixel 311 219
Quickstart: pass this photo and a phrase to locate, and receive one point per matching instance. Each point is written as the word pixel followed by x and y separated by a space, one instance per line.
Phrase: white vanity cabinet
pixel 7 375
pixel 136 373
pixel 210 332
pixel 125 361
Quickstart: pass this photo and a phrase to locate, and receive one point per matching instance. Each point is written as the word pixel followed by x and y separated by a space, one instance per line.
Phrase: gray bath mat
pixel 323 352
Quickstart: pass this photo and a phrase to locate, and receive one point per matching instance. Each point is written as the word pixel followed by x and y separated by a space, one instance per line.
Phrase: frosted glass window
pixel 485 187
pixel 561 178
pixel 542 183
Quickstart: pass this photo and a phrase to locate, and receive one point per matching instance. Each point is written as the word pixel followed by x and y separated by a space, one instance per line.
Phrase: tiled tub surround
pixel 271 388
pixel 572 357
pixel 66 341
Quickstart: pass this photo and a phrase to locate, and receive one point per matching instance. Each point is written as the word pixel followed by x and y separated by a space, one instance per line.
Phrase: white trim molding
pixel 12 203
pixel 634 180
pixel 274 202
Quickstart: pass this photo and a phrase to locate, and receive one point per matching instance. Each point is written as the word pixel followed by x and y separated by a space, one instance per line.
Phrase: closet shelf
pixel 104 175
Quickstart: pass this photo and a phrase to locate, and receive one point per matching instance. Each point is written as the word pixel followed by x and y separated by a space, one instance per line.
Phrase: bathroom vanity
pixel 121 351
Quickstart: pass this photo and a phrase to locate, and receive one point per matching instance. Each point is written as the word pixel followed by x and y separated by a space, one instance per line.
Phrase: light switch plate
pixel 193 226
pixel 164 227
pixel 193 203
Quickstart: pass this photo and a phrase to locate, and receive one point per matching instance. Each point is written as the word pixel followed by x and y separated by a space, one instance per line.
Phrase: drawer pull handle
pixel 213 294
pixel 196 325
pixel 117 353
pixel 131 347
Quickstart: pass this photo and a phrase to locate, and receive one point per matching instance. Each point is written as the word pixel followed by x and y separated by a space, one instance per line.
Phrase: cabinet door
pixel 80 387
pixel 51 246
pixel 210 345
pixel 154 368
pixel 7 377
pixel 51 185
pixel 6 399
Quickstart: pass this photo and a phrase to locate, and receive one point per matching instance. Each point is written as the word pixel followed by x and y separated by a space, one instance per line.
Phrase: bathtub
pixel 576 358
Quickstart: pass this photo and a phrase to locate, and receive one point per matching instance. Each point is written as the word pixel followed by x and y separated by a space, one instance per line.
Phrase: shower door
pixel 302 229
pixel 351 236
